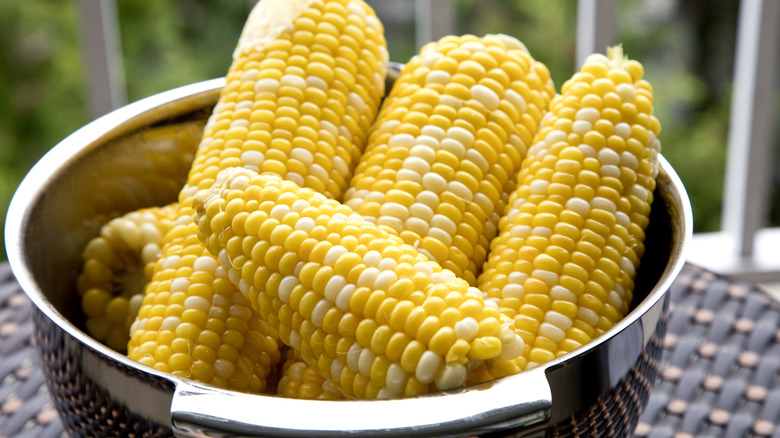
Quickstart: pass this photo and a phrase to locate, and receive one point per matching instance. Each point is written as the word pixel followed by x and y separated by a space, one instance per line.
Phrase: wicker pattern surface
pixel 25 407
pixel 720 368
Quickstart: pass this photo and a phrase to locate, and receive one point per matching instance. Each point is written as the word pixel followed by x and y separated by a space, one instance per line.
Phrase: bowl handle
pixel 517 402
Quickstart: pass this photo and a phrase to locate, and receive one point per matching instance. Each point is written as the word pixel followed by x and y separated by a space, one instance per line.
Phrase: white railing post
pixel 434 19
pixel 102 55
pixel 595 28
pixel 748 170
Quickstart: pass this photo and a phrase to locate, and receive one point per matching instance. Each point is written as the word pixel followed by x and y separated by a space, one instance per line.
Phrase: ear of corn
pixel 448 142
pixel 374 316
pixel 569 246
pixel 194 323
pixel 303 90
pixel 301 93
pixel 117 265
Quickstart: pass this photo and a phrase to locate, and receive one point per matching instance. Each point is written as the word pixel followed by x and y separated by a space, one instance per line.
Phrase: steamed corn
pixel 563 264
pixel 373 315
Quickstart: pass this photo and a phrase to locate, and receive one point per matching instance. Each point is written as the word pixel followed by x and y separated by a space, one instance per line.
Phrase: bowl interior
pixel 133 158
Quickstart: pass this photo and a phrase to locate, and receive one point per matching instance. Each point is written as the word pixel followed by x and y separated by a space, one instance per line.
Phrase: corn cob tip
pixel 232 178
pixel 616 55
pixel 511 42
pixel 266 21
pixel 225 177
pixel 615 58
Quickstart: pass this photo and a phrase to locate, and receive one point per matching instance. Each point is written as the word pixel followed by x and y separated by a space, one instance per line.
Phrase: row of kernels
pixel 117 265
pixel 194 323
pixel 450 134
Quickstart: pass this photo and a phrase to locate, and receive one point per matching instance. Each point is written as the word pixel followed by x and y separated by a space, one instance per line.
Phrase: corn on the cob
pixel 447 145
pixel 194 323
pixel 302 91
pixel 301 380
pixel 569 246
pixel 373 315
pixel 117 265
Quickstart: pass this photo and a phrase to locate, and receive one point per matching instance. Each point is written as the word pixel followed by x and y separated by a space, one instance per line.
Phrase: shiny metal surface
pixel 139 156
pixel 197 409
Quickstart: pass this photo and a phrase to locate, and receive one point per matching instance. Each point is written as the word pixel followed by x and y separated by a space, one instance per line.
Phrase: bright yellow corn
pixel 117 265
pixel 569 246
pixel 301 94
pixel 194 323
pixel 300 380
pixel 373 315
pixel 304 88
pixel 447 146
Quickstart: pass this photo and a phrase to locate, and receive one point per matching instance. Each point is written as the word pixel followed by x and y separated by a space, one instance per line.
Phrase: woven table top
pixel 720 369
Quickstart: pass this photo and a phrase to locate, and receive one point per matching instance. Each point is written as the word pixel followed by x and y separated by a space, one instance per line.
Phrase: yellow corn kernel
pixel 448 142
pixel 370 360
pixel 569 245
pixel 299 380
pixel 117 265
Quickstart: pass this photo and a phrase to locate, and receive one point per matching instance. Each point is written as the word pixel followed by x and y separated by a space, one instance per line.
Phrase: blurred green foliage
pixel 172 43
pixel 686 47
pixel 41 85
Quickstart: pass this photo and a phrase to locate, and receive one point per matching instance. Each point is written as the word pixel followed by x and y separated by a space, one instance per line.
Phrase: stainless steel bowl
pixel 139 156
